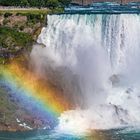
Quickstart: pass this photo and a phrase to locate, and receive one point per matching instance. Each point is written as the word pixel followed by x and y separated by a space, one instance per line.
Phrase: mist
pixel 94 60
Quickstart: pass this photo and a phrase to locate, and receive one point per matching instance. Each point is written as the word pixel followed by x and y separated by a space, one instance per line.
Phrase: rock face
pixel 14 20
pixel 18 32
pixel 23 23
pixel 14 116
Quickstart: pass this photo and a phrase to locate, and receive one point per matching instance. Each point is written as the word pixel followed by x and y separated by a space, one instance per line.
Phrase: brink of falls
pixel 95 59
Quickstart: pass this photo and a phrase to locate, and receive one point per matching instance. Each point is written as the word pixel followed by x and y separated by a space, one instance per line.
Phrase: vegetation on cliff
pixel 11 38
pixel 18 31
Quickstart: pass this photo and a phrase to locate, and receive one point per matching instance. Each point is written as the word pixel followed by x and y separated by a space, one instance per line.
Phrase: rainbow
pixel 32 91
pixel 35 93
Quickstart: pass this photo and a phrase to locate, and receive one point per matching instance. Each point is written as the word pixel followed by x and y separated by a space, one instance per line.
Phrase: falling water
pixel 95 60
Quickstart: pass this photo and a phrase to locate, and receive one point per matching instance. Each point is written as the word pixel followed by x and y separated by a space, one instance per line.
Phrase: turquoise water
pixel 37 135
pixel 123 134
pixel 105 7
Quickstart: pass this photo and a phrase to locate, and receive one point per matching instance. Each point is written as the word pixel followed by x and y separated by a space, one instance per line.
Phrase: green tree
pixel 36 3
pixel 10 2
pixel 33 3
pixel 52 3
pixel 65 2
pixel 24 3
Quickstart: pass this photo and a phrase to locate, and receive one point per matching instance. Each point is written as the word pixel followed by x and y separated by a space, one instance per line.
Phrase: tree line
pixel 36 3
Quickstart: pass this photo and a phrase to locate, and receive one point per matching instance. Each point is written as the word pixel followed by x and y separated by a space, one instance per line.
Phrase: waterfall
pixel 95 60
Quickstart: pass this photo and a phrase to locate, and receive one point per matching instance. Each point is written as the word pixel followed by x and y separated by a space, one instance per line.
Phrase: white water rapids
pixel 95 59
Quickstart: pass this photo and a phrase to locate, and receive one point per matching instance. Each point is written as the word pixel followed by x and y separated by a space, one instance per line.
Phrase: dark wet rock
pixel 115 79
pixel 129 90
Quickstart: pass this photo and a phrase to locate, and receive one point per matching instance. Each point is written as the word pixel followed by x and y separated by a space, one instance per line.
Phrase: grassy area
pixel 32 11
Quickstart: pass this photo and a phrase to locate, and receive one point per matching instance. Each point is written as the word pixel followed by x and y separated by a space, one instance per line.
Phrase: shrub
pixel 18 38
pixel 6 15
pixel 52 3
pixel 21 28
pixel 5 21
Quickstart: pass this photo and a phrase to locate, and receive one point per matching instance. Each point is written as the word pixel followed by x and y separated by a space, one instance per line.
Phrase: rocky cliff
pixel 18 31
